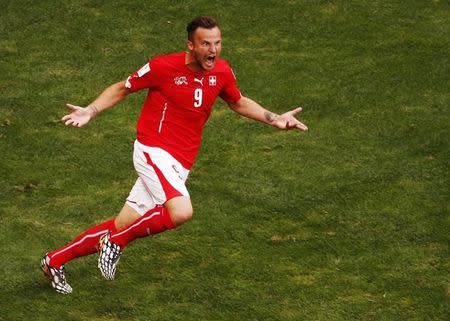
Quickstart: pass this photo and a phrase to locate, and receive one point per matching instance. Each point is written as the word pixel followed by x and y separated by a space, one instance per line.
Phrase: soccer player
pixel 182 88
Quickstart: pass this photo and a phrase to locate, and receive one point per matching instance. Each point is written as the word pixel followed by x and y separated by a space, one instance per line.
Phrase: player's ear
pixel 190 45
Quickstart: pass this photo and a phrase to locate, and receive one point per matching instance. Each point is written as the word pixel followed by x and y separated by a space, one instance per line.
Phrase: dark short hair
pixel 202 22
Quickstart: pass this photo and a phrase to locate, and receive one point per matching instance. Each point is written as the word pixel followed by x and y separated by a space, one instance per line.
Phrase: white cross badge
pixel 212 80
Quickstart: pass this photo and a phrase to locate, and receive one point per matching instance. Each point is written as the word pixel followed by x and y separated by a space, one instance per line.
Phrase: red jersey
pixel 179 103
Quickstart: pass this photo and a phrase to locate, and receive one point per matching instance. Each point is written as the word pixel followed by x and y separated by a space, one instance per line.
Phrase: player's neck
pixel 192 64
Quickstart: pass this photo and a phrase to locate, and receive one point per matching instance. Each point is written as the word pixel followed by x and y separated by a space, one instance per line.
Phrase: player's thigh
pixel 142 199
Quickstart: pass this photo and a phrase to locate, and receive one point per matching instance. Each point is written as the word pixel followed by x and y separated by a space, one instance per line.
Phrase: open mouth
pixel 210 60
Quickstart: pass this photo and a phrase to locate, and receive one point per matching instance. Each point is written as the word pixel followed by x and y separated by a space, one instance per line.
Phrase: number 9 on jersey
pixel 198 97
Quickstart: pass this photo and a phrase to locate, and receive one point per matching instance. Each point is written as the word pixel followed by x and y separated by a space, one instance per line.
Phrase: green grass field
pixel 347 222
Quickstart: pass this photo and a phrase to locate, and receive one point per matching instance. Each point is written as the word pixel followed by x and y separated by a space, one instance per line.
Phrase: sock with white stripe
pixel 84 244
pixel 155 221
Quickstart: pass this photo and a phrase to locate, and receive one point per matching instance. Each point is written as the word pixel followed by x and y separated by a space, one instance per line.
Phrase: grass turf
pixel 347 222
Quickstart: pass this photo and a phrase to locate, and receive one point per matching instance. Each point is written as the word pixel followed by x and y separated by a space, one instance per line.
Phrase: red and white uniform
pixel 179 103
pixel 169 130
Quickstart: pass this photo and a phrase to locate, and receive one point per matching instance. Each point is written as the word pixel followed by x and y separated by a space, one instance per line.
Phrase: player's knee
pixel 181 215
pixel 180 209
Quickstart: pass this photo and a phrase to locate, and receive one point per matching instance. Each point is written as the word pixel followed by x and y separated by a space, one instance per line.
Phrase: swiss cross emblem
pixel 182 80
pixel 212 80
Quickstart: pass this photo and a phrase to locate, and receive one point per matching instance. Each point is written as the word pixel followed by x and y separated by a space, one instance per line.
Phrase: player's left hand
pixel 287 121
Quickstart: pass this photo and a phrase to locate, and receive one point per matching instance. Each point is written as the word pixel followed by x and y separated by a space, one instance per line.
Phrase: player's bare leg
pixel 175 212
pixel 180 209
pixel 126 217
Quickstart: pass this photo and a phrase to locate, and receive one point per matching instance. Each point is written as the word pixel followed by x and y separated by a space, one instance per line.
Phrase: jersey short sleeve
pixel 144 77
pixel 230 92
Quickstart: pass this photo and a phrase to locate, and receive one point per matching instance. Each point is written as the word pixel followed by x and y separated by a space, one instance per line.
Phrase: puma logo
pixel 200 81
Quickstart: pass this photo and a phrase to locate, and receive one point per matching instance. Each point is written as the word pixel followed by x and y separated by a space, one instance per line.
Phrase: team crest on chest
pixel 181 80
pixel 212 80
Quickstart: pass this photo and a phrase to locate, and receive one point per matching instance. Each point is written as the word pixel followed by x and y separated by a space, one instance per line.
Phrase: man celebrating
pixel 182 88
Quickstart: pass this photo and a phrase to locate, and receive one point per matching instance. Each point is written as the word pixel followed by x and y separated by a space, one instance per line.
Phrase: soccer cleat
pixel 109 256
pixel 57 276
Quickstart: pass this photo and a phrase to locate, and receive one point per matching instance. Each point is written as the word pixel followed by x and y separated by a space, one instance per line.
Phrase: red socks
pixel 155 221
pixel 84 244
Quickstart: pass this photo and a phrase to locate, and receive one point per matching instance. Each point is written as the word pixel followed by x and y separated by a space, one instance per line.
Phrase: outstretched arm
pixel 251 109
pixel 80 116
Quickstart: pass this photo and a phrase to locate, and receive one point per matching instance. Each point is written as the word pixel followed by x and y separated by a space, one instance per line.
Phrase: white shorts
pixel 161 177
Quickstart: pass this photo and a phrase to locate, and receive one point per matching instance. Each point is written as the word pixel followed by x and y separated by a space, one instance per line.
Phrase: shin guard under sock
pixel 84 244
pixel 155 221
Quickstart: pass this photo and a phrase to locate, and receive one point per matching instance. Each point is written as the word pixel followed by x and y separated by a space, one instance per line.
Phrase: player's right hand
pixel 78 117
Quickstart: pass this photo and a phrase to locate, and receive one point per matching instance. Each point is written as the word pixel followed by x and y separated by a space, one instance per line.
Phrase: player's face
pixel 205 47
